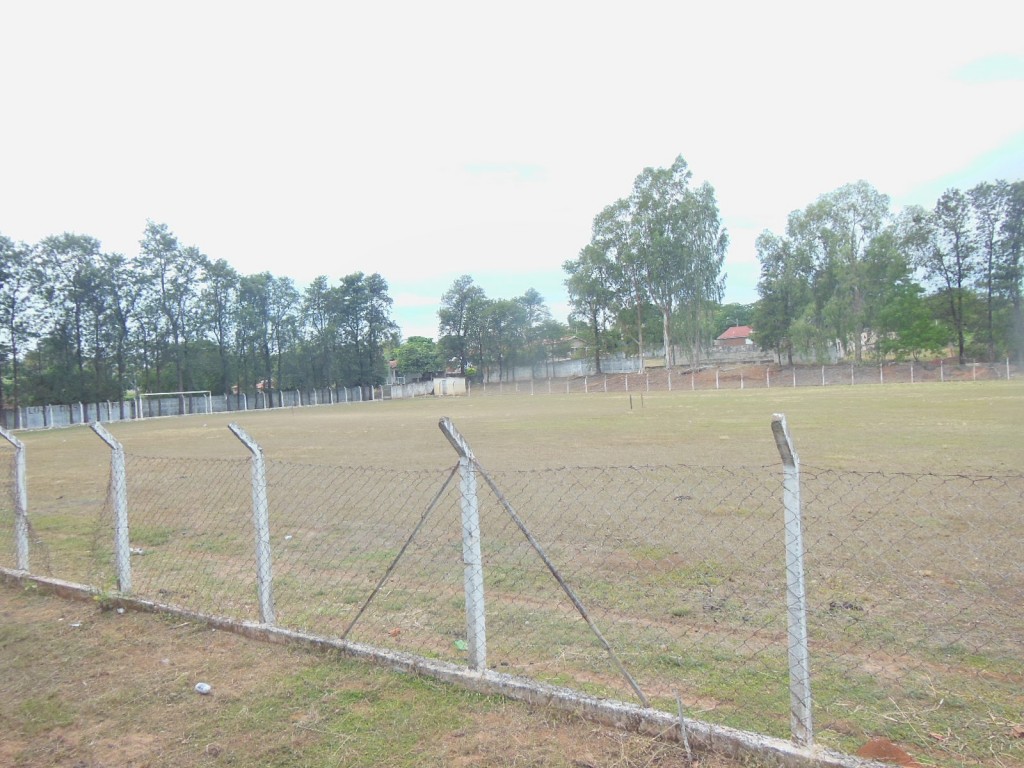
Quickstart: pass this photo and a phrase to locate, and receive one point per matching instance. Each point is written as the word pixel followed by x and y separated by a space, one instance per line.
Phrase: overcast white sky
pixel 429 140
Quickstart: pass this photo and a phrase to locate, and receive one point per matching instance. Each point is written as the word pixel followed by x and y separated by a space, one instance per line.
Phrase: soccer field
pixel 661 511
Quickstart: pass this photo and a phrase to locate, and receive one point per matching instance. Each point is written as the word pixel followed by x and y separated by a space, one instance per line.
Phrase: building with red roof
pixel 737 336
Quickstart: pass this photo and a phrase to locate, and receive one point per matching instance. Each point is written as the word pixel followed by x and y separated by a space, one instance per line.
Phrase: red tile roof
pixel 737 332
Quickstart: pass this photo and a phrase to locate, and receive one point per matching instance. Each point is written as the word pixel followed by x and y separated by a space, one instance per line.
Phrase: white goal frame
pixel 206 394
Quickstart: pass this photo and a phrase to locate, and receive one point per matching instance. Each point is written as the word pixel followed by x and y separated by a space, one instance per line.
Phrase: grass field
pixel 662 510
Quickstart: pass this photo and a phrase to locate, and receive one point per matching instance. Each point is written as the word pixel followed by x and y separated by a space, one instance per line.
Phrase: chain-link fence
pixel 636 582
pixel 750 376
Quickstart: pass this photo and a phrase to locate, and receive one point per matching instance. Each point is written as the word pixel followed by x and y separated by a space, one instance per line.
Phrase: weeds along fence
pixel 798 602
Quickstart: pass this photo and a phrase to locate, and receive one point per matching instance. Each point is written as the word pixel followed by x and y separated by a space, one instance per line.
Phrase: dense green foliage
pixel 479 333
pixel 661 248
pixel 848 278
pixel 77 324
pixel 851 278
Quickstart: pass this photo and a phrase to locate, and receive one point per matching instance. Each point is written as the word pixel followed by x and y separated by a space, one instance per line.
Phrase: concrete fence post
pixel 261 526
pixel 119 495
pixel 20 501
pixel 473 574
pixel 801 726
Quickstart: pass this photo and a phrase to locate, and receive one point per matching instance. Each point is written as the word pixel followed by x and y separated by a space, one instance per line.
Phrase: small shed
pixel 449 385
pixel 737 336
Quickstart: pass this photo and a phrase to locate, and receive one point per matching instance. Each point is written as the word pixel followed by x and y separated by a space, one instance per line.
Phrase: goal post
pixel 184 403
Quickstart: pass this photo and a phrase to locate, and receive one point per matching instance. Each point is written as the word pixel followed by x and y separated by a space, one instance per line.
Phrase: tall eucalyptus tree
pixel 948 254
pixel 67 281
pixel 838 229
pixel 459 319
pixel 219 300
pixel 679 243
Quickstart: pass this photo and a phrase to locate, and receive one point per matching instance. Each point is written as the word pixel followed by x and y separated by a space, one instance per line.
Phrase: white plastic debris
pixel 203 688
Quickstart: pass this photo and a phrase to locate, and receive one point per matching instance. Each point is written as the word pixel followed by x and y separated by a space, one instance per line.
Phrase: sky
pixel 425 141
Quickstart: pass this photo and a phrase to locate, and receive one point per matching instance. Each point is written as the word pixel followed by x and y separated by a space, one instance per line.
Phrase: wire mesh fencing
pixel 8 548
pixel 649 583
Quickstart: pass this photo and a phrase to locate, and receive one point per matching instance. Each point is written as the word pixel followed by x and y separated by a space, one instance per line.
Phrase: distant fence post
pixel 473 574
pixel 796 596
pixel 261 524
pixel 20 501
pixel 119 494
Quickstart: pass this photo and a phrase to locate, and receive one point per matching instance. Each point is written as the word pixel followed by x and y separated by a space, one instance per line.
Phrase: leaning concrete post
pixel 119 494
pixel 261 525
pixel 20 501
pixel 473 575
pixel 796 595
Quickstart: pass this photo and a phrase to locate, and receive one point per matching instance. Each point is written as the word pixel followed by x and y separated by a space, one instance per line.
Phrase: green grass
pixel 36 715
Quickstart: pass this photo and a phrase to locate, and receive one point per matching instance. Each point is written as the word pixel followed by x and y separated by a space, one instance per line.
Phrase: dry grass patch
pixel 86 687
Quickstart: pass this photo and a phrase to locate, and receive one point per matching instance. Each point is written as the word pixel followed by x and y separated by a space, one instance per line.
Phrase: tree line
pixel 849 278
pixel 78 324
pixel 850 275
pixel 652 271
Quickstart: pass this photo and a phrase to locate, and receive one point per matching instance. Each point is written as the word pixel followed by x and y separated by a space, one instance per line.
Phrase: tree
pixel 319 321
pixel 502 334
pixel 123 294
pixel 946 252
pixel 253 331
pixel 418 357
pixel 612 237
pixel 732 314
pixel 907 326
pixel 459 317
pixel 220 307
pixel 175 275
pixel 365 326
pixel 68 282
pixel 785 292
pixel 678 240
pixel 989 203
pixel 17 309
pixel 535 315
pixel 1011 264
pixel 838 230
pixel 591 293
pixel 284 325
